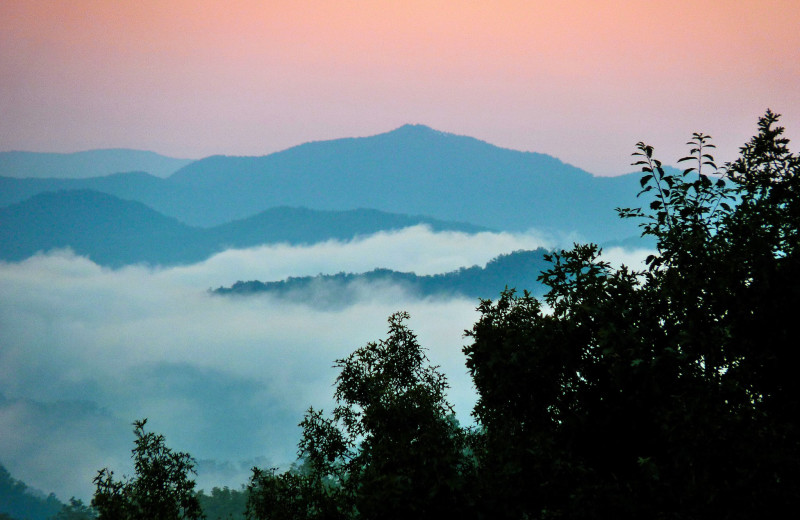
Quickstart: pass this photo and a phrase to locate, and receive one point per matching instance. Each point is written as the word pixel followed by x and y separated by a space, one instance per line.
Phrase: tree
pixel 223 503
pixel 664 393
pixel 75 510
pixel 161 489
pixel 391 449
pixel 292 495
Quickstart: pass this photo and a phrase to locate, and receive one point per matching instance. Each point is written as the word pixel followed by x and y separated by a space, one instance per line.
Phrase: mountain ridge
pixel 422 171
pixel 115 232
pixel 519 269
pixel 87 163
pixel 410 170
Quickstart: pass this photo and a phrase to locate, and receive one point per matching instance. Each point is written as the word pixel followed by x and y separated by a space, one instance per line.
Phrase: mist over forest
pixel 86 348
pixel 228 339
pixel 103 318
pixel 324 260
pixel 89 347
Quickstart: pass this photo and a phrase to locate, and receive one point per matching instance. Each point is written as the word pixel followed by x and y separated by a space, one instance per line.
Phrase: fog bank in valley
pixel 85 350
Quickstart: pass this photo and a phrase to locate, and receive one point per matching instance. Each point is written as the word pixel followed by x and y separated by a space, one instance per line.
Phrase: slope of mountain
pixel 519 269
pixel 417 170
pixel 411 170
pixel 92 163
pixel 139 186
pixel 128 185
pixel 116 232
pixel 17 500
pixel 111 231
pixel 307 226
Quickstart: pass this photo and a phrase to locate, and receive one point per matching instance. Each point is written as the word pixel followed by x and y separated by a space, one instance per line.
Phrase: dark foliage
pixel 223 503
pixel 391 449
pixel 75 510
pixel 668 393
pixel 161 489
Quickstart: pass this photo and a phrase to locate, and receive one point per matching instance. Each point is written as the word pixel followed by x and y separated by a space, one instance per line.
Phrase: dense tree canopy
pixel 75 510
pixel 223 503
pixel 161 489
pixel 391 449
pixel 668 393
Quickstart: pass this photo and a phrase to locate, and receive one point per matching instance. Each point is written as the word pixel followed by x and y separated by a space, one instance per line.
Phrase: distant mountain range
pixel 115 232
pixel 411 170
pixel 312 192
pixel 519 270
pixel 92 163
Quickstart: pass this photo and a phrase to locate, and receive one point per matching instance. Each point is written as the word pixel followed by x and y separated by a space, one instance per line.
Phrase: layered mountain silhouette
pixel 115 232
pixel 92 163
pixel 411 170
pixel 519 270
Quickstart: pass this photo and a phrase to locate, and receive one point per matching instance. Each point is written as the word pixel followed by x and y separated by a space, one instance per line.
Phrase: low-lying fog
pixel 85 350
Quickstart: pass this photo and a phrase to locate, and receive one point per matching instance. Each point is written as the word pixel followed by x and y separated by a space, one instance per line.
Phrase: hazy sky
pixel 581 80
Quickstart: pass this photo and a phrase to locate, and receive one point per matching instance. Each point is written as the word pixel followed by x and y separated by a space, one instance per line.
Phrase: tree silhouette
pixel 391 449
pixel 160 490
pixel 666 393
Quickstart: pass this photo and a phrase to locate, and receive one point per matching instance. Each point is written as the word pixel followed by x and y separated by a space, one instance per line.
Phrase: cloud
pixel 60 445
pixel 416 249
pixel 631 258
pixel 85 350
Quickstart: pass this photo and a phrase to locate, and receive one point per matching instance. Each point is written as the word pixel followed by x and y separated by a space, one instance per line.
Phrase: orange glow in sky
pixel 581 80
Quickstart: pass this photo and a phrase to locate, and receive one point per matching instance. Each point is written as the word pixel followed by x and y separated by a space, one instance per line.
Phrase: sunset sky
pixel 581 80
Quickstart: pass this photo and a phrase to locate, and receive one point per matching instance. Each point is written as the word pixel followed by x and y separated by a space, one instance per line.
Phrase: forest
pixel 516 269
pixel 667 392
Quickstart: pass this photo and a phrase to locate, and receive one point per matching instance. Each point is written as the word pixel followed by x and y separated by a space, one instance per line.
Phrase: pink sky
pixel 581 80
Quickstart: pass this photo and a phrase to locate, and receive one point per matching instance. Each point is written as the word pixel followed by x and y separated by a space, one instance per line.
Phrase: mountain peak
pixel 416 129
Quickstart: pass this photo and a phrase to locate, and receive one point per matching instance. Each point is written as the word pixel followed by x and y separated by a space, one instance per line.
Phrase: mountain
pixel 519 269
pixel 306 226
pixel 116 232
pixel 411 170
pixel 164 196
pixel 92 163
pixel 418 170
pixel 17 500
pixel 111 231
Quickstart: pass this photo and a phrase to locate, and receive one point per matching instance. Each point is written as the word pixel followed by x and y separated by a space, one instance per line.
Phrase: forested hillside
pixel 519 269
